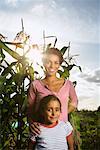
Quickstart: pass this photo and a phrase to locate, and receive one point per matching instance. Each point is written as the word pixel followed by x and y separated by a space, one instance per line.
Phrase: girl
pixel 54 133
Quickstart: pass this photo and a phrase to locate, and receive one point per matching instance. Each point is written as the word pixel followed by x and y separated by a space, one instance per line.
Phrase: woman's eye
pixel 46 61
pixel 56 62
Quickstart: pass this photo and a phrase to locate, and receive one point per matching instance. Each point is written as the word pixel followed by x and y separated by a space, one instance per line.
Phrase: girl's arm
pixel 70 142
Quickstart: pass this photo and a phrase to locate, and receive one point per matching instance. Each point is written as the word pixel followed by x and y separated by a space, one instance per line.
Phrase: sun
pixel 34 57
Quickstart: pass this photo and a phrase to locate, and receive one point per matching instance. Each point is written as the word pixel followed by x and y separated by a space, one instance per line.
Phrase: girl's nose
pixel 53 112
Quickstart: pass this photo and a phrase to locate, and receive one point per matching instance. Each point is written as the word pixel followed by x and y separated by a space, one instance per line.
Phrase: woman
pixel 51 84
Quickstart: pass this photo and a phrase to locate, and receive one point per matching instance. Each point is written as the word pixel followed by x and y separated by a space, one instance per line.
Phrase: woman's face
pixel 51 64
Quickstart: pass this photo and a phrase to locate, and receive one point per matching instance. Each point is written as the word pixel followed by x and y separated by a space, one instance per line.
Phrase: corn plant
pixel 13 91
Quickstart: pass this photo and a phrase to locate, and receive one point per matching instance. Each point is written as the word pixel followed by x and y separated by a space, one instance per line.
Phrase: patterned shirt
pixel 53 138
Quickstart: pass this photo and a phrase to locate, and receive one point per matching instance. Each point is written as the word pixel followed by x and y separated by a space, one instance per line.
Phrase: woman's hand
pixel 71 108
pixel 34 128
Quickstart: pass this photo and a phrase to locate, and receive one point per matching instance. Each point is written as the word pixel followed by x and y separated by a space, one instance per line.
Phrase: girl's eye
pixel 49 110
pixel 58 109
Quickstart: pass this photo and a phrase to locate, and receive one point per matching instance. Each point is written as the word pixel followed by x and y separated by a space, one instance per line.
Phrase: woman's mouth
pixel 51 70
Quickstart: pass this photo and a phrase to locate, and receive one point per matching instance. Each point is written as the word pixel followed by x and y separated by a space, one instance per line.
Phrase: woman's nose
pixel 52 65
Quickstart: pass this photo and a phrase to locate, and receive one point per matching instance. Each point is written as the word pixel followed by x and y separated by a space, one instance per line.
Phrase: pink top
pixel 38 90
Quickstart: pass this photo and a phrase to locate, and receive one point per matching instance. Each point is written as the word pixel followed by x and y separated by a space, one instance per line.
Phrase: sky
pixel 74 21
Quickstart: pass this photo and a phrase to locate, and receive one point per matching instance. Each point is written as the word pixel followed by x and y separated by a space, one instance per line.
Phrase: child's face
pixel 52 112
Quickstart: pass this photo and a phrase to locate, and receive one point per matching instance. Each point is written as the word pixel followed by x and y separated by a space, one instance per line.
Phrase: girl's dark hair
pixel 54 51
pixel 43 103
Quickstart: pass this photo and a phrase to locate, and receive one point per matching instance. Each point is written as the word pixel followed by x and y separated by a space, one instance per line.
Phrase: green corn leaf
pixel 8 50
pixel 64 49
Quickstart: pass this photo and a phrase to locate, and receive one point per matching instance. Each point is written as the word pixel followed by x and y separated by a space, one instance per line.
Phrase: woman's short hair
pixel 54 51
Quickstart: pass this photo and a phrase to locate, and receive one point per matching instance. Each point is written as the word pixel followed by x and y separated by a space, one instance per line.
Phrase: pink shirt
pixel 38 90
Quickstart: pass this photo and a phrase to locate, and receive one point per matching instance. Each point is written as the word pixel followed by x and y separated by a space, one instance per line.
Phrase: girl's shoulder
pixel 66 125
pixel 64 122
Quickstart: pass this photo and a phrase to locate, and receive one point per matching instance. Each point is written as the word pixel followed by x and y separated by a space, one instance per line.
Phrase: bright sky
pixel 77 21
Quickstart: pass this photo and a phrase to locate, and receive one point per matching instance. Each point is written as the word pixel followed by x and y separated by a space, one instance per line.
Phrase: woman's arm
pixel 31 145
pixel 33 125
pixel 71 108
pixel 31 97
pixel 34 128
pixel 73 100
